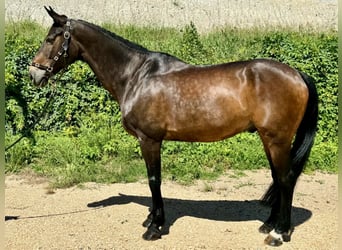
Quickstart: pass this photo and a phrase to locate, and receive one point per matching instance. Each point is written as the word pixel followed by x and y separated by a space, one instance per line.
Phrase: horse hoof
pixel 272 241
pixel 276 239
pixel 152 233
pixel 265 228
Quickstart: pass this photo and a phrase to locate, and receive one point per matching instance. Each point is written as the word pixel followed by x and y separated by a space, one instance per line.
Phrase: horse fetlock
pixel 148 221
pixel 155 217
pixel 158 217
pixel 266 228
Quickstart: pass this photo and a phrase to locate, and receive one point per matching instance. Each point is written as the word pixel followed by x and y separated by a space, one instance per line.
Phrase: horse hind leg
pixel 271 198
pixel 279 195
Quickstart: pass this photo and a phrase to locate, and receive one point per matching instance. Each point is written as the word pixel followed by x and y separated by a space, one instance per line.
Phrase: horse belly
pixel 207 125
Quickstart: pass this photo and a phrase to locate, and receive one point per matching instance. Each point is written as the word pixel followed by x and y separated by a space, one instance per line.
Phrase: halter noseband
pixel 62 52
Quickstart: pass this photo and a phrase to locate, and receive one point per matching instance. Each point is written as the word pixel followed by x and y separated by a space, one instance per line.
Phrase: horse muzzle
pixel 38 76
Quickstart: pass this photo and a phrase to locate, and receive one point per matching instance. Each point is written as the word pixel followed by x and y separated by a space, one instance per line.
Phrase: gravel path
pixel 225 217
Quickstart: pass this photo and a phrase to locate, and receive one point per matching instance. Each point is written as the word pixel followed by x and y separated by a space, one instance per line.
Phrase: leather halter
pixel 62 52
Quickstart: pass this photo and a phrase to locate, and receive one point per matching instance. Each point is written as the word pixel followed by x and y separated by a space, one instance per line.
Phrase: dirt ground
pixel 224 214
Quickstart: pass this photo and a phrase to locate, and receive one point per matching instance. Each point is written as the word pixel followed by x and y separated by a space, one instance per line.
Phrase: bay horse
pixel 164 98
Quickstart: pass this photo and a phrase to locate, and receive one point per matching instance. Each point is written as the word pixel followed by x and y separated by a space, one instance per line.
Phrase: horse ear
pixel 57 19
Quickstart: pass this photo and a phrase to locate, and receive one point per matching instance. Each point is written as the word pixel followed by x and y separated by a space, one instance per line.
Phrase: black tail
pixel 303 142
pixel 307 130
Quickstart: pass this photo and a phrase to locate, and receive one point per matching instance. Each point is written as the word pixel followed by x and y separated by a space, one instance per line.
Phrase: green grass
pixel 68 161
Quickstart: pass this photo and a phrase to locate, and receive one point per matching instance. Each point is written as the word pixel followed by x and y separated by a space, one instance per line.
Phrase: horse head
pixel 56 52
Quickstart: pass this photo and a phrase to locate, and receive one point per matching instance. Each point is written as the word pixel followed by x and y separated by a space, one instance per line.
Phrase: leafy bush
pixel 81 138
pixel 191 47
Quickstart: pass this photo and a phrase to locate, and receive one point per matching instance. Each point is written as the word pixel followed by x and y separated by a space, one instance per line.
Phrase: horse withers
pixel 164 98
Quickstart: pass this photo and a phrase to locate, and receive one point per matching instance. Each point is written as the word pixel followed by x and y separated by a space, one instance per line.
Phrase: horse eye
pixel 50 39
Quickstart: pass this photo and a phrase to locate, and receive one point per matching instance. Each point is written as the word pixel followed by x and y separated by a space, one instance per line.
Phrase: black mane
pixel 126 43
pixel 116 37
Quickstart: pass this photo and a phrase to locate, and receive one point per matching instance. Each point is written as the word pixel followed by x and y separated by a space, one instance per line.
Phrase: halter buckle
pixel 67 35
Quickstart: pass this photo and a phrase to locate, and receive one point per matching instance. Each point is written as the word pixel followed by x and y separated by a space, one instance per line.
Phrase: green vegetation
pixel 81 138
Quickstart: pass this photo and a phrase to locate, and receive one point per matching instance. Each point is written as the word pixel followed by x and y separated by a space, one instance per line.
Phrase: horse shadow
pixel 217 210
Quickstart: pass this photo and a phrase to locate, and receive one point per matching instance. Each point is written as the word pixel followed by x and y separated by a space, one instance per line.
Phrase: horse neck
pixel 112 60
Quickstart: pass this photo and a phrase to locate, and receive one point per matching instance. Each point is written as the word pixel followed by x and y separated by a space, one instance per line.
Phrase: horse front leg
pixel 151 153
